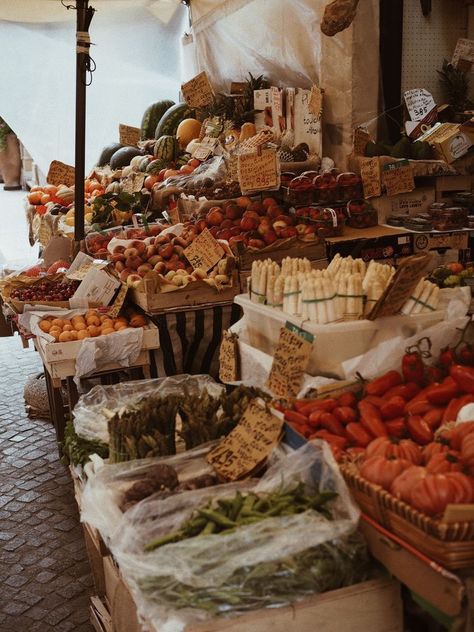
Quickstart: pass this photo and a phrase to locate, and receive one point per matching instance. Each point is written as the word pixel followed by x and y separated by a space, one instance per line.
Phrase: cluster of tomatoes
pixel 400 429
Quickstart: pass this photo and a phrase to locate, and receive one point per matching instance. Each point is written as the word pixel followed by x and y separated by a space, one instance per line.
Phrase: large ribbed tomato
pixel 382 471
pixel 432 493
pixel 463 487
pixel 404 482
pixel 459 432
pixel 445 462
pixel 397 448
pixel 433 448
pixel 467 451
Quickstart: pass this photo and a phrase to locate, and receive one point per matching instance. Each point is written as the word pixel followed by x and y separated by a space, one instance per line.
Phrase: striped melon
pixel 172 118
pixel 155 166
pixel 152 117
pixel 166 148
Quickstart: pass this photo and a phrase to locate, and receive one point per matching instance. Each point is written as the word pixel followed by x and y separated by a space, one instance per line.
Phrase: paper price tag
pixel 129 135
pixel 398 177
pixel 370 174
pixel 419 103
pixel 315 105
pixel 401 287
pixel 258 172
pixel 60 173
pixel 133 183
pixel 290 361
pixel 277 105
pixel 118 302
pixel 361 138
pixel 206 148
pixel 204 252
pixel 248 445
pixel 198 91
pixel 229 365
pixel 463 56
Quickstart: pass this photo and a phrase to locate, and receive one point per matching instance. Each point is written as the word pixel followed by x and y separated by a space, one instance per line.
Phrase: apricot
pixel 93 330
pixel 65 336
pixel 45 325
pixel 107 330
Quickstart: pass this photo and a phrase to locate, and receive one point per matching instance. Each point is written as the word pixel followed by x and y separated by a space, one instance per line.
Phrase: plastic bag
pixel 184 581
pixel 90 418
pixel 102 504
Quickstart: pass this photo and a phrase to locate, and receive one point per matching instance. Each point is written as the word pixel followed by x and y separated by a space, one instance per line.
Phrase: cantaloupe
pixel 188 130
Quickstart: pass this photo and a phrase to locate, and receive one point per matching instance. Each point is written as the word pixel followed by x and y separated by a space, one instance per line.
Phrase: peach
pixel 45 325
pixel 65 336
pixel 160 267
pixel 244 202
pixel 83 334
pixel 215 216
pixel 166 250
pixel 133 280
pixel 154 260
pixel 133 262
pixel 270 237
pixel 233 212
pixel 130 252
pixel 140 246
pixel 144 268
pixel 249 223
pixel 118 250
pixel 116 257
pixel 120 266
pixel 124 274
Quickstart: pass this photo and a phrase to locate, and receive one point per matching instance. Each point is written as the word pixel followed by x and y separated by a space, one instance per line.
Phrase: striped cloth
pixel 190 340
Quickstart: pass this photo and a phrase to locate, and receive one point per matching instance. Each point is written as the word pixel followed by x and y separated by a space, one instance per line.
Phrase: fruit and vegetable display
pixel 45 290
pixel 452 275
pixel 346 290
pixel 97 242
pixel 90 325
pixel 149 427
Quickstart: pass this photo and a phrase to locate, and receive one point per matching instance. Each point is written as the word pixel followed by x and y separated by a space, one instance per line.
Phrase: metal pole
pixel 81 78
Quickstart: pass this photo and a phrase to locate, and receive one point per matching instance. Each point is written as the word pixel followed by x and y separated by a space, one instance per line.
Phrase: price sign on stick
pixel 398 177
pixel 60 173
pixel 370 174
pixel 400 288
pixel 258 172
pixel 129 135
pixel 229 369
pixel 248 446
pixel 419 103
pixel 198 91
pixel 290 361
pixel 204 252
pixel 315 104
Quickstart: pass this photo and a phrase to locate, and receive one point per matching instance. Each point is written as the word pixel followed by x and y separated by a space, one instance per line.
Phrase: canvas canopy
pixel 142 57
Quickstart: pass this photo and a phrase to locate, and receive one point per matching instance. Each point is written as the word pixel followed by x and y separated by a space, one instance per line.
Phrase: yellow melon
pixel 188 130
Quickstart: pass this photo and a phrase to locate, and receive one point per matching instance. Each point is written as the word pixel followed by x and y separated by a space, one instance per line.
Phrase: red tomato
pixel 403 484
pixel 401 449
pixel 383 471
pixel 433 493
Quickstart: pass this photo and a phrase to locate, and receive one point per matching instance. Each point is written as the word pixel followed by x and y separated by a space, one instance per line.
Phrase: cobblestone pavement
pixel 45 583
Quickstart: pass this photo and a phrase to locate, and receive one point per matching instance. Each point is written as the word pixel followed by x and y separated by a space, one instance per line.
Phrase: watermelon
pixel 172 118
pixel 107 154
pixel 152 117
pixel 155 166
pixel 143 164
pixel 166 148
pixel 123 156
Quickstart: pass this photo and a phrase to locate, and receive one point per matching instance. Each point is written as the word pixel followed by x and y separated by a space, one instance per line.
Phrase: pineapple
pixel 455 84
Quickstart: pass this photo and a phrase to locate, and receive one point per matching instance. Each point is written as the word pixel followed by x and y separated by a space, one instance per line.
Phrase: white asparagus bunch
pixel 425 298
pixel 355 298
pixel 319 301
pixel 261 272
pixel 374 292
pixel 377 271
pixel 293 265
pixel 290 295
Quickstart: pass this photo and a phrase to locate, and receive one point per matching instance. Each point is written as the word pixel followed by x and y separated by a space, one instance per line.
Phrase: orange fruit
pixel 66 336
pixel 73 334
pixel 45 325
pixel 67 327
pixel 93 330
pixel 107 330
pixel 55 333
pixel 120 325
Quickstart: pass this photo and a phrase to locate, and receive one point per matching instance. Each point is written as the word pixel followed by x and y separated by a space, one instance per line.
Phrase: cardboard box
pixel 457 240
pixel 447 186
pixel 450 141
pixel 444 590
pixel 378 242
pixel 417 201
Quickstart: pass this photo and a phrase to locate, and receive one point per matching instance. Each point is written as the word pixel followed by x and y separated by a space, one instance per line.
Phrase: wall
pixel 427 41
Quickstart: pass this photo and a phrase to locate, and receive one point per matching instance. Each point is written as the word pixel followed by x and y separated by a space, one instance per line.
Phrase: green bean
pixel 216 517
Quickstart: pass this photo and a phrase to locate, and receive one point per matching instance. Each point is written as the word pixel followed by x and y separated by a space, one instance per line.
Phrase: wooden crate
pixel 196 293
pixel 370 606
pixel 313 250
pixel 451 544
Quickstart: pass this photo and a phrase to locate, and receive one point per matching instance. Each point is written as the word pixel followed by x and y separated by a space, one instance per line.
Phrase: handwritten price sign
pixel 198 91
pixel 60 173
pixel 419 103
pixel 258 172
pixel 290 361
pixel 204 252
pixel 370 174
pixel 129 135
pixel 248 445
pixel 229 358
pixel 398 177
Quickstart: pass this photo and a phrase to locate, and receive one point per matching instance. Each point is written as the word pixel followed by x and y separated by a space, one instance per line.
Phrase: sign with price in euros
pixel 419 102
pixel 258 172
pixel 249 444
pixel 204 252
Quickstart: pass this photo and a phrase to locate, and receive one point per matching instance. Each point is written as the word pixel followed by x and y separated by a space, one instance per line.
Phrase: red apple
pixel 256 243
pixel 215 216
pixel 144 268
pixel 162 239
pixel 232 211
pixel 270 237
pixel 214 230
pixel 227 223
pixel 160 267
pixel 224 234
pixel 289 231
pixel 273 212
pixel 249 223
pixel 264 226
pixel 155 229
pixel 133 262
pixel 118 250
pixel 116 257
pixel 166 250
pixel 243 202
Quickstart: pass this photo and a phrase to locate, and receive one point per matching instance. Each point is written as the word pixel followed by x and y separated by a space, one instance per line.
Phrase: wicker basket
pixel 449 544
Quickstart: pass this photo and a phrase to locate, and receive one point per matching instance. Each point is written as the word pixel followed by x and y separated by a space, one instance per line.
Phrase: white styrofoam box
pixel 334 343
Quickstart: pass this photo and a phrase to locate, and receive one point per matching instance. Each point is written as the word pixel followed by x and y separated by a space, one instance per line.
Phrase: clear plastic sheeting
pixel 102 499
pixel 284 42
pixel 138 63
pixel 93 409
pixel 220 566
